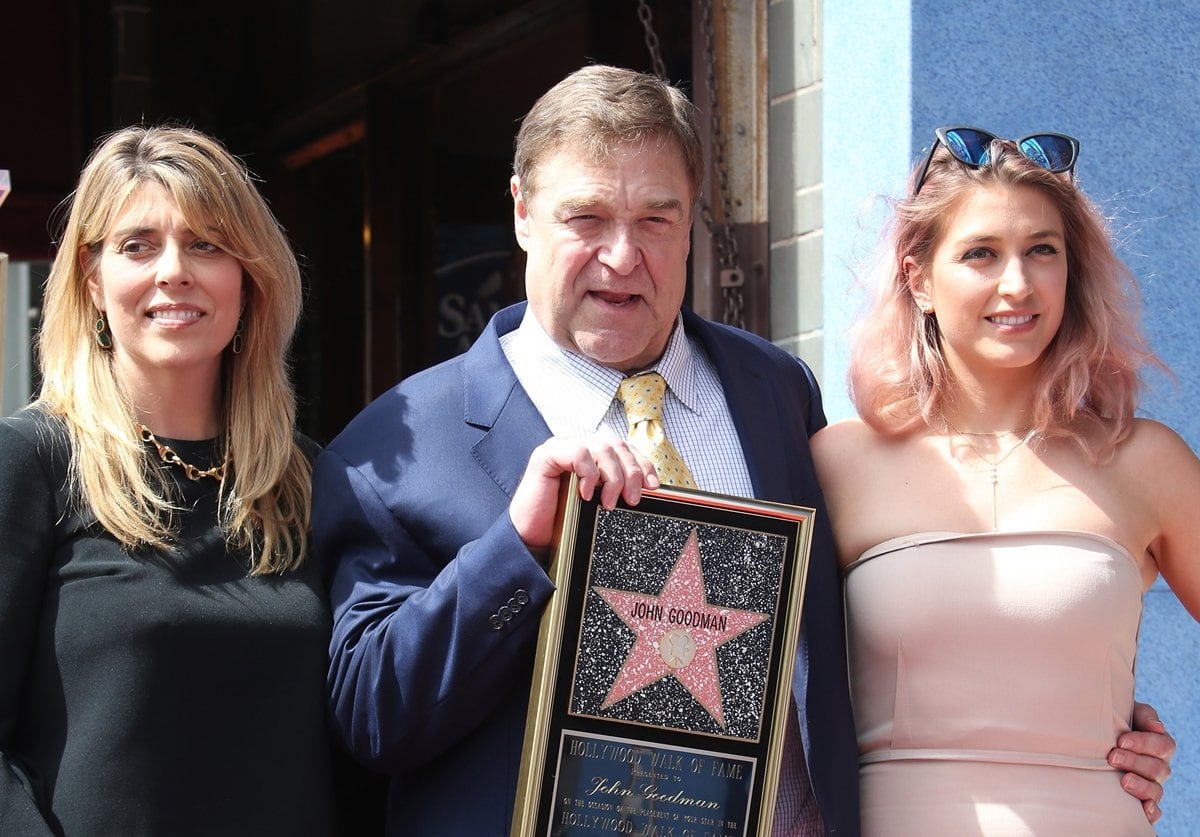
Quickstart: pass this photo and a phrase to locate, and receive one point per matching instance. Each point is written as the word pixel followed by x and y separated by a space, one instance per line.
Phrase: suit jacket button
pixel 514 605
pixel 496 622
pixel 505 613
pixel 522 596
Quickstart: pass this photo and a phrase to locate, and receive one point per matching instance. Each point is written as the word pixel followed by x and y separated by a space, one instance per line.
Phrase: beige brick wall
pixel 794 182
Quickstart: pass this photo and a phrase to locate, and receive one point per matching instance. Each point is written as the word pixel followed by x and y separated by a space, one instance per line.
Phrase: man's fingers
pixel 1158 745
pixel 1151 768
pixel 624 473
pixel 605 463
pixel 1150 794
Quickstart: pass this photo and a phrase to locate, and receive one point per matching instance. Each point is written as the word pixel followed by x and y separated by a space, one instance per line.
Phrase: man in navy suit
pixel 435 506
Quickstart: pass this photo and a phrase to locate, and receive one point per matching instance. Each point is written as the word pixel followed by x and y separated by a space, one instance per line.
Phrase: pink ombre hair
pixel 1089 383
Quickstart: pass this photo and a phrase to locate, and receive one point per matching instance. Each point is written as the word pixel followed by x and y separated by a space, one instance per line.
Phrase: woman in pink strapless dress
pixel 998 508
pixel 991 674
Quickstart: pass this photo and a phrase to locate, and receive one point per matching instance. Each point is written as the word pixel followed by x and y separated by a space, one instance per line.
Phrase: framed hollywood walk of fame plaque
pixel 664 668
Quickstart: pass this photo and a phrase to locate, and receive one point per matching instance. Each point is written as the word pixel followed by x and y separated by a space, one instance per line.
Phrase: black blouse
pixel 163 693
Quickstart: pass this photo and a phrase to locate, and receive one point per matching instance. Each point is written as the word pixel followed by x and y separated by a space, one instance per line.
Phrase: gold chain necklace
pixel 169 456
pixel 993 464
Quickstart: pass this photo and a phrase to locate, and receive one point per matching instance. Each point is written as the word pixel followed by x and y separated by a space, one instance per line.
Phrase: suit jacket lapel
pixel 495 402
pixel 756 415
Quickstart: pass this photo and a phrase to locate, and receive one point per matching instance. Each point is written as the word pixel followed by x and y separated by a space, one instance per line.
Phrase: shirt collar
pixel 678 367
pixel 592 385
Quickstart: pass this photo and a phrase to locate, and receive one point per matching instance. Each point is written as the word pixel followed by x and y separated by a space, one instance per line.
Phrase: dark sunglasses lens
pixel 1050 152
pixel 968 145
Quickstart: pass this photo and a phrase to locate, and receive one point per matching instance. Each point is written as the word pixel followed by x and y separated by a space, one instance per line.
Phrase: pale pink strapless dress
pixel 990 676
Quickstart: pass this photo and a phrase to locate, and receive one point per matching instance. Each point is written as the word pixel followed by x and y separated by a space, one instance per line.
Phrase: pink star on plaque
pixel 678 633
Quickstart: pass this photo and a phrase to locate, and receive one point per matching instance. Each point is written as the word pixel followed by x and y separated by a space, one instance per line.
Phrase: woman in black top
pixel 163 631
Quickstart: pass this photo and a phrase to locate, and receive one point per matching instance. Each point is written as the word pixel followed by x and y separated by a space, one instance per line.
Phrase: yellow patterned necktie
pixel 642 396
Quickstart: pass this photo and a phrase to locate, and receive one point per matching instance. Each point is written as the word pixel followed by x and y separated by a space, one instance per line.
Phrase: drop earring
pixel 236 346
pixel 103 335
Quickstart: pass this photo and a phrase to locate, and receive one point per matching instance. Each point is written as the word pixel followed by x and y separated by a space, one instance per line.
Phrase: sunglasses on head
pixel 971 147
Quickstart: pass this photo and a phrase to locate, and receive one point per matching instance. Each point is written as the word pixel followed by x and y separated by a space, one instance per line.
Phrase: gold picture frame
pixel 664 667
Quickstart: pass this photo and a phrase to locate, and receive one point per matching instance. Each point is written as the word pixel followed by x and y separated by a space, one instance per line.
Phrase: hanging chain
pixel 723 239
pixel 647 19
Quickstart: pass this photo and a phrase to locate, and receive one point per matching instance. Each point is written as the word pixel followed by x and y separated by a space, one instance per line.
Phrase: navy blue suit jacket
pixel 410 510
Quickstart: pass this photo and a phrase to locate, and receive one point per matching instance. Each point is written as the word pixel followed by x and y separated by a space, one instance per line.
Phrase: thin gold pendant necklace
pixel 993 464
pixel 169 456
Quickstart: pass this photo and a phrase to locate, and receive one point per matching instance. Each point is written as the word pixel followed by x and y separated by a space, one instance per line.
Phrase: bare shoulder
pixel 846 431
pixel 866 478
pixel 1153 444
pixel 1157 469
pixel 841 439
pixel 842 449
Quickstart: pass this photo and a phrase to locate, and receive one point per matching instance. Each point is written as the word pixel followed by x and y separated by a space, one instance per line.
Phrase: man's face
pixel 607 244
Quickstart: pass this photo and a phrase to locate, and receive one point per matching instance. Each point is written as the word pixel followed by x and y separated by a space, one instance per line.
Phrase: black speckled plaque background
pixel 633 550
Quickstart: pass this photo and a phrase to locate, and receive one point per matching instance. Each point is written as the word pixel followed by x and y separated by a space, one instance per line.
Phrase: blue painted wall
pixel 1123 78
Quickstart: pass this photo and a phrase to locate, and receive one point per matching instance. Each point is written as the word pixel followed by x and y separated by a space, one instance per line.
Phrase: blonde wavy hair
pixel 265 496
pixel 1090 379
